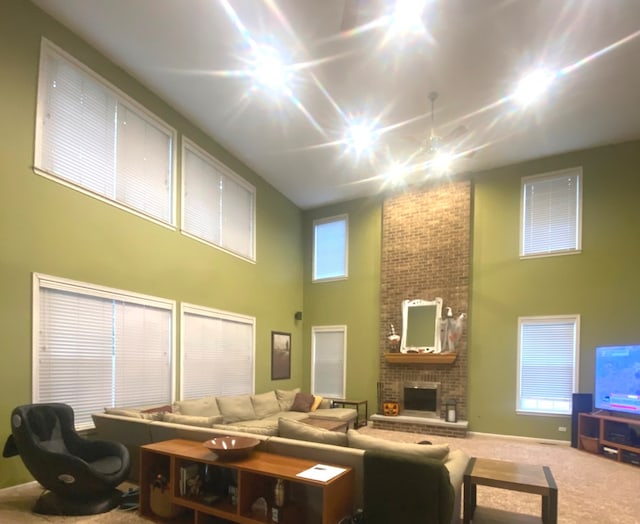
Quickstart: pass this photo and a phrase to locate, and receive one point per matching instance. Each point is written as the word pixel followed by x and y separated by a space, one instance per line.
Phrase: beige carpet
pixel 591 489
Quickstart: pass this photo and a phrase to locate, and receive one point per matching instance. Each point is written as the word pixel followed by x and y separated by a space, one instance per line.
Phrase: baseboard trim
pixel 530 440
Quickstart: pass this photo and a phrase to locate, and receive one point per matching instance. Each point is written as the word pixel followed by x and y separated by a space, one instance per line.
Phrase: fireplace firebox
pixel 421 399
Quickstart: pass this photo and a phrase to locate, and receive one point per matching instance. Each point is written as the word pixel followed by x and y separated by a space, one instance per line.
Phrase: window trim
pixel 551 175
pixel 218 314
pixel 330 329
pixel 548 319
pixel 196 149
pixel 41 280
pixel 46 46
pixel 335 218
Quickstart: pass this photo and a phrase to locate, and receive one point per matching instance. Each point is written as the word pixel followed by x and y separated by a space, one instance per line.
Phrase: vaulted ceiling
pixel 193 53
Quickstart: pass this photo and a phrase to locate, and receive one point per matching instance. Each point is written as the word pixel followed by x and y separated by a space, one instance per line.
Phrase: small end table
pixel 359 421
pixel 510 475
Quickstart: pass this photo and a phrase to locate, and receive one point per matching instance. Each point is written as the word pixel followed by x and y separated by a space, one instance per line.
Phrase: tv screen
pixel 617 381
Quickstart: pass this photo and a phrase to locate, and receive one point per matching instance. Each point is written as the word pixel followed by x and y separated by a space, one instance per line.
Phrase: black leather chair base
pixel 52 504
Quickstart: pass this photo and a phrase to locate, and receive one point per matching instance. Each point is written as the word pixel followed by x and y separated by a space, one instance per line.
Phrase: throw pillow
pixel 192 420
pixel 236 408
pixel 367 442
pixel 285 398
pixel 302 402
pixel 316 402
pixel 298 430
pixel 265 404
pixel 198 407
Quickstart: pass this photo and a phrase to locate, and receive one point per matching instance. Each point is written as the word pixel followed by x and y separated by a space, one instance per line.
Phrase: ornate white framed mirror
pixel 421 326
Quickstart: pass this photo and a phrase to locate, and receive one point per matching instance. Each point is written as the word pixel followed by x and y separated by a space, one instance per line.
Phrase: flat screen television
pixel 617 380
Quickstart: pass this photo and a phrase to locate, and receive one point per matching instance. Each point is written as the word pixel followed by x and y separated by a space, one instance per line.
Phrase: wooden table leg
pixel 469 495
pixel 550 501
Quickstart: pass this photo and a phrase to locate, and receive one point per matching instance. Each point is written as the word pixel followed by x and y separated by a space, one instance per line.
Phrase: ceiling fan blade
pixel 350 15
pixel 456 133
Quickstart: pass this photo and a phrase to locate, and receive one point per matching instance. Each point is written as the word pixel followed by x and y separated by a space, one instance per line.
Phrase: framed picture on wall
pixel 280 355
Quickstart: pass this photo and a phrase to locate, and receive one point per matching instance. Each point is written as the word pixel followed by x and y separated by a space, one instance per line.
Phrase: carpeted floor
pixel 591 489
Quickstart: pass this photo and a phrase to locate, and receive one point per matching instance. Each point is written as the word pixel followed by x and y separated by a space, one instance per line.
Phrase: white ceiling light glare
pixel 395 174
pixel 406 17
pixel 533 86
pixel 442 162
pixel 360 138
pixel 269 71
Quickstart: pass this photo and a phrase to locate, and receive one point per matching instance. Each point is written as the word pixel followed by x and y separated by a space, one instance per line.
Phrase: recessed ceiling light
pixel 532 86
pixel 269 70
pixel 406 17
pixel 360 137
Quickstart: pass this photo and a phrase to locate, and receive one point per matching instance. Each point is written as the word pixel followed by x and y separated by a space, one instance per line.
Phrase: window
pixel 330 248
pixel 547 363
pixel 217 353
pixel 218 205
pixel 92 137
pixel 551 213
pixel 328 361
pixel 97 347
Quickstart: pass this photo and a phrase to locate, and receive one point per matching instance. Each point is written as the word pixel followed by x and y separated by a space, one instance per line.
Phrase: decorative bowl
pixel 232 448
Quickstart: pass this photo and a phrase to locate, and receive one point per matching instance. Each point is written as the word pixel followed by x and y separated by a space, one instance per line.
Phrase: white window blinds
pixel 218 205
pixel 328 366
pixel 547 364
pixel 217 353
pixel 330 253
pixel 551 213
pixel 93 137
pixel 96 347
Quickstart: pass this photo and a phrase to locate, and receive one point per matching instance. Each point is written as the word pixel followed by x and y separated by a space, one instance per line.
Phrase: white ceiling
pixel 473 53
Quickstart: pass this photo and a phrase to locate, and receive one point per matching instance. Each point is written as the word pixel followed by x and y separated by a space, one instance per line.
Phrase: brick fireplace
pixel 425 254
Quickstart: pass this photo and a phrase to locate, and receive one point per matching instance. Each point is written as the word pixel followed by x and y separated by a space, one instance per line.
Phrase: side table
pixel 360 421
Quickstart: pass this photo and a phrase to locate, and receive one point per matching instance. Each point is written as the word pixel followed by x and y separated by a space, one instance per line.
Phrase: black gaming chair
pixel 80 474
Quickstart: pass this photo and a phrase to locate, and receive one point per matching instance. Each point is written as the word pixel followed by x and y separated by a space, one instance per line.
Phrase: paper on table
pixel 321 472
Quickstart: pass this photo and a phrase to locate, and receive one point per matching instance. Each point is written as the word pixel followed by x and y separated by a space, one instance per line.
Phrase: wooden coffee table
pixel 509 475
pixel 331 425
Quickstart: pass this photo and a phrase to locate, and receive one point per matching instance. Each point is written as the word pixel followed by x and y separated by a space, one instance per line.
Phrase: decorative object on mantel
pixel 393 338
pixel 391 409
pixel 451 330
pixel 421 326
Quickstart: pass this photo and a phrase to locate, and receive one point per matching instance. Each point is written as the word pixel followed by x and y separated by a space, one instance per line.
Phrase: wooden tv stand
pixel 611 436
pixel 255 476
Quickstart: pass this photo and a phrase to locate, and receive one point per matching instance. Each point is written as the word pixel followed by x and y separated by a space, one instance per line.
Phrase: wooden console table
pixel 255 477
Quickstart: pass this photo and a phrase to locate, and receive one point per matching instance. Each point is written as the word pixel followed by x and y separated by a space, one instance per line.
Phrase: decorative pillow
pixel 316 402
pixel 123 412
pixel 367 442
pixel 285 398
pixel 199 407
pixel 192 420
pixel 302 402
pixel 236 408
pixel 265 404
pixel 297 430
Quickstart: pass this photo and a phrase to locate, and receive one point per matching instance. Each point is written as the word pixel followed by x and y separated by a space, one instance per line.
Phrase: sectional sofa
pixel 421 483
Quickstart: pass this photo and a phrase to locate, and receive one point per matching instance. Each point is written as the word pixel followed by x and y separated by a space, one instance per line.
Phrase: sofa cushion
pixel 285 398
pixel 302 402
pixel 298 430
pixel 122 412
pixel 344 414
pixel 367 442
pixel 265 404
pixel 256 430
pixel 235 408
pixel 157 409
pixel 198 407
pixel 291 415
pixel 192 420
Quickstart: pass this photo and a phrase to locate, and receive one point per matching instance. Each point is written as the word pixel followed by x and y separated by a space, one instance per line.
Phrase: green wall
pixel 48 228
pixel 601 284
pixel 355 301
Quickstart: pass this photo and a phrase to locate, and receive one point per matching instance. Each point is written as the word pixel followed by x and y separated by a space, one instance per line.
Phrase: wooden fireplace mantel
pixel 420 358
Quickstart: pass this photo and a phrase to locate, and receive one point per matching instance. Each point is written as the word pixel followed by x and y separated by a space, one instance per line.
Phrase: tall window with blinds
pixel 97 347
pixel 217 353
pixel 330 248
pixel 551 213
pixel 94 138
pixel 547 363
pixel 328 360
pixel 218 205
